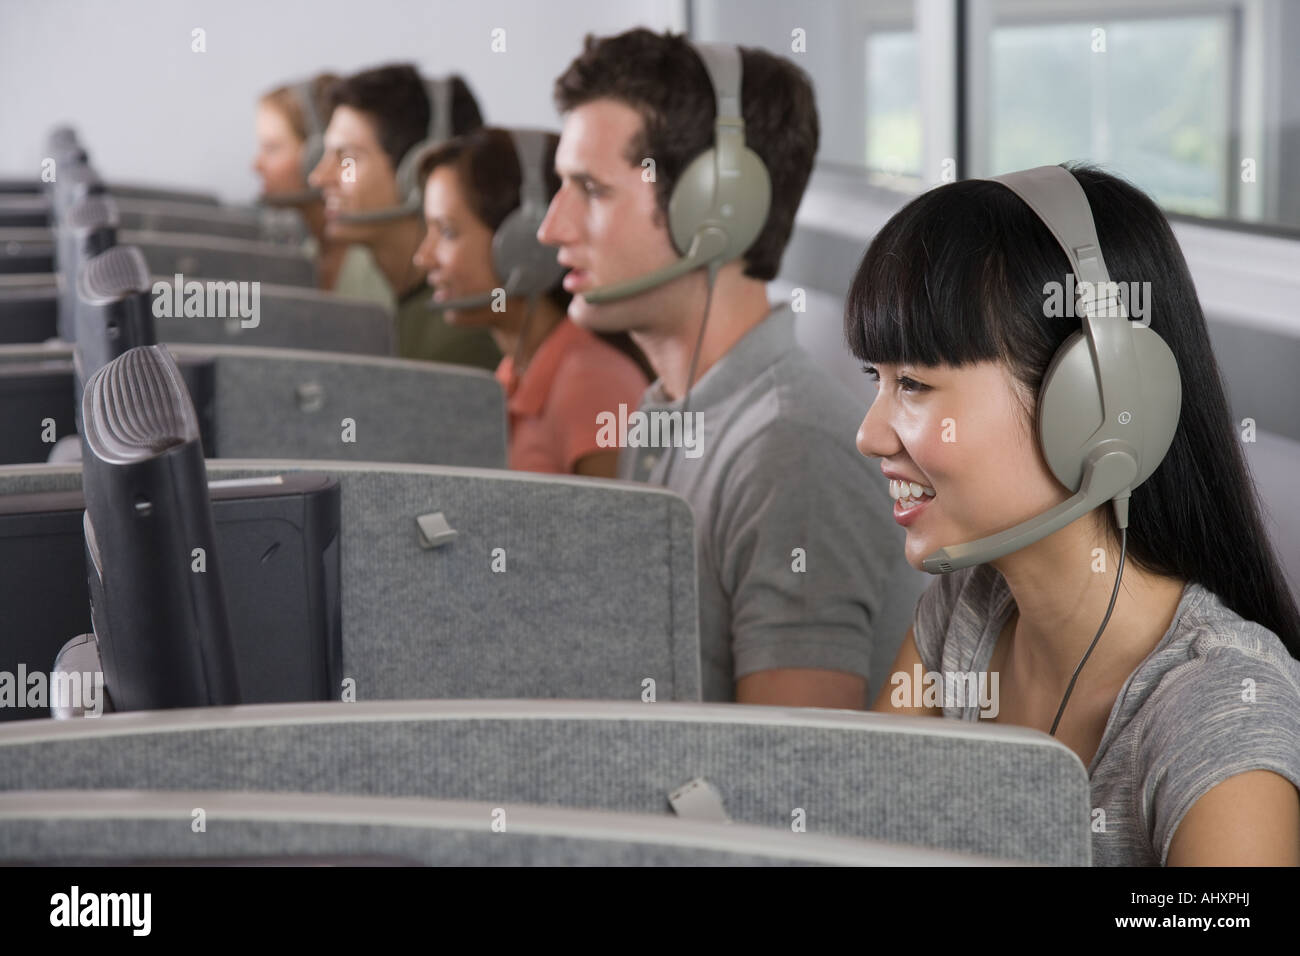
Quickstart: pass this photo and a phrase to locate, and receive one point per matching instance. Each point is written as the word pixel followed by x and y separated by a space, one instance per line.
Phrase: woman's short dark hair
pixel 957 276
pixel 487 167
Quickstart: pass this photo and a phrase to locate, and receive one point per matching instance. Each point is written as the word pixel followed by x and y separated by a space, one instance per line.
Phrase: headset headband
pixel 530 147
pixel 1059 201
pixel 303 91
pixel 439 92
pixel 722 61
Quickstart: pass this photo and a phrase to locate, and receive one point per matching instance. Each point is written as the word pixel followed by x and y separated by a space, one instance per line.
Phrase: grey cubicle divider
pixel 12 188
pixel 26 280
pixel 21 479
pixel 290 403
pixel 277 828
pixel 232 222
pixel 991 790
pixel 162 193
pixel 293 317
pixel 162 215
pixel 171 253
pixel 20 210
pixel 551 586
pixel 211 257
pixel 26 250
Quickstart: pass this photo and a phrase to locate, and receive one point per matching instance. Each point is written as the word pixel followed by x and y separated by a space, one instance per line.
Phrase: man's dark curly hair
pixel 394 97
pixel 664 79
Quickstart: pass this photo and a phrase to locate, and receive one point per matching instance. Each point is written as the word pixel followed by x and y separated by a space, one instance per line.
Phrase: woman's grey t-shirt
pixel 1218 696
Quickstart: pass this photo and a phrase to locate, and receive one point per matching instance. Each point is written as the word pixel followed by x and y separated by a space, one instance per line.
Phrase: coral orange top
pixel 553 407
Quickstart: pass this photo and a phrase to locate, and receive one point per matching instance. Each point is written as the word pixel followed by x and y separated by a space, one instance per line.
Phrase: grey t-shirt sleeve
pixel 798 559
pixel 1234 706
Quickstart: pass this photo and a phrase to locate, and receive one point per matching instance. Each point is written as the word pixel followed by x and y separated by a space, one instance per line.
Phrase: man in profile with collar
pixel 378 120
pixel 802 585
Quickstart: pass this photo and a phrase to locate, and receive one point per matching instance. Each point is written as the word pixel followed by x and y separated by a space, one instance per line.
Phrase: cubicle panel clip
pixel 699 800
pixel 311 397
pixel 434 530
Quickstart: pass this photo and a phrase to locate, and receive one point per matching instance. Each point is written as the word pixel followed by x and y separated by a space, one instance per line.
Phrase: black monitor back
pixel 36 391
pixel 75 180
pixel 157 600
pixel 113 308
pixel 28 312
pixel 278 549
pixel 89 229
pixel 26 251
pixel 37 407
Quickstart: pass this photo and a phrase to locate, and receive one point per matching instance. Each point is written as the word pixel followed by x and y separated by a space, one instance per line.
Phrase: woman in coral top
pixel 558 377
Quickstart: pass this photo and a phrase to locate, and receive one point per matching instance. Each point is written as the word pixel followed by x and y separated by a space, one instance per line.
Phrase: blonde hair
pixel 288 102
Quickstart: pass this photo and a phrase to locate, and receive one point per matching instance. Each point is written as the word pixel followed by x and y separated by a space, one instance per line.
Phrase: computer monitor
pixel 113 309
pixel 26 251
pixel 114 313
pixel 40 400
pixel 61 134
pixel 89 229
pixel 75 180
pixel 37 404
pixel 158 604
pixel 278 547
pixel 29 312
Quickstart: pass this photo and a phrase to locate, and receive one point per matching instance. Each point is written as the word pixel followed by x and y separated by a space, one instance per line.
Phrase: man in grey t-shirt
pixel 797 550
pixel 800 566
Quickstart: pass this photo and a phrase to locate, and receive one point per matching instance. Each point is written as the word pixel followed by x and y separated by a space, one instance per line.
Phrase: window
pixel 893 104
pixel 864 61
pixel 1195 101
pixel 1149 97
pixel 1183 98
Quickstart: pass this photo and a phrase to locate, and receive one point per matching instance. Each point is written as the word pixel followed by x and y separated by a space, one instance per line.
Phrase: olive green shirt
pixel 424 334
pixel 359 278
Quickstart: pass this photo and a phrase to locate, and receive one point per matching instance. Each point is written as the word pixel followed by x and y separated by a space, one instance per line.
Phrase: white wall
pixel 149 108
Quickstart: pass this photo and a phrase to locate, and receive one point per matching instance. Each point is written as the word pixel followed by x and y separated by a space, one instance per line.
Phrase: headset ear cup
pixel 503 247
pixel 515 249
pixel 1070 411
pixel 691 203
pixel 408 189
pixel 1162 399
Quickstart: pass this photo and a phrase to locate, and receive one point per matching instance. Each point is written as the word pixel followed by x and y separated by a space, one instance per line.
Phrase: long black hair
pixel 957 276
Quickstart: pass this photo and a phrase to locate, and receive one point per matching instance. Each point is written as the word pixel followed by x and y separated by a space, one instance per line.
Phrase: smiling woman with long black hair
pixel 1187 713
